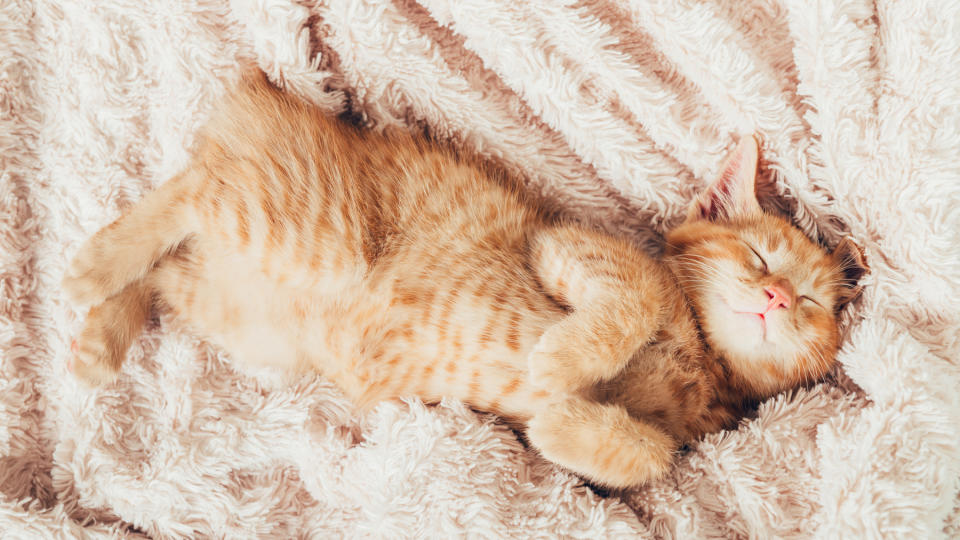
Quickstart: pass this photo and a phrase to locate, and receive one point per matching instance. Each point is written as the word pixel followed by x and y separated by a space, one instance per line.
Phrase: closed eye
pixel 805 297
pixel 763 263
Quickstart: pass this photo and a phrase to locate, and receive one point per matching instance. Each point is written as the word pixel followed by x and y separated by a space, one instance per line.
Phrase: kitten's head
pixel 766 297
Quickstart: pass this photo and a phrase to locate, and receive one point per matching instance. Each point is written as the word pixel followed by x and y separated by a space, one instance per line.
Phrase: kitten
pixel 397 267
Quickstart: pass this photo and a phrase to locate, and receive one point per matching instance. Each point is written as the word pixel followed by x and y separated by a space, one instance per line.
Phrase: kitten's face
pixel 766 297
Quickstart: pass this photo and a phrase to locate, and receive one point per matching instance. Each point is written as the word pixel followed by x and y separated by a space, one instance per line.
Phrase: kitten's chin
pixel 751 344
pixel 741 332
pixel 754 320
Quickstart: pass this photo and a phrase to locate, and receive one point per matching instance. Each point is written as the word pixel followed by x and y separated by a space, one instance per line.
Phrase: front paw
pixel 570 357
pixel 554 367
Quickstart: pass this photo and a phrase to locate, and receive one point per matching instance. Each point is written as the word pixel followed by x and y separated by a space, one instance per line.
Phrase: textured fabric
pixel 616 112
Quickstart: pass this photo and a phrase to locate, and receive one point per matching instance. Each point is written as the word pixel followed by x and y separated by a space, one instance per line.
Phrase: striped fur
pixel 397 267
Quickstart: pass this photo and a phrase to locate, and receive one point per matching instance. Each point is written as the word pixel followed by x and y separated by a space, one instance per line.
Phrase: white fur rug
pixel 618 111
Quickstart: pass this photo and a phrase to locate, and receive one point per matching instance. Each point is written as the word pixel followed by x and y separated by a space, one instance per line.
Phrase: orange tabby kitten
pixel 396 267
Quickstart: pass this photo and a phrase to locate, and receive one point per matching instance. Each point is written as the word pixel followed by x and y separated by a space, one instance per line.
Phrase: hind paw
pixel 83 290
pixel 110 328
pixel 87 281
pixel 92 362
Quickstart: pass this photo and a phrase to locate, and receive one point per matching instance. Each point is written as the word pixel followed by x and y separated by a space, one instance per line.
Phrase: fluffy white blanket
pixel 616 110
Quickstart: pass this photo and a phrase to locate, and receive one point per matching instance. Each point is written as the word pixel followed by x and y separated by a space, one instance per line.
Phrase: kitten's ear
pixel 853 265
pixel 733 194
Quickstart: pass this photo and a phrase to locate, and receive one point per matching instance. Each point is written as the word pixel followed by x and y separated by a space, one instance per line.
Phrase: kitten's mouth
pixel 755 316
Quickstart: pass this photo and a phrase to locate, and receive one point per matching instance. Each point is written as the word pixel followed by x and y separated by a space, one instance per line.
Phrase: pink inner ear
pixel 728 174
pixel 720 191
pixel 732 193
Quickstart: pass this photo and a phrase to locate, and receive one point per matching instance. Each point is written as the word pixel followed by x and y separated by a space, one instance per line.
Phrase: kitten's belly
pixel 460 362
pixel 264 323
pixel 454 348
pixel 375 341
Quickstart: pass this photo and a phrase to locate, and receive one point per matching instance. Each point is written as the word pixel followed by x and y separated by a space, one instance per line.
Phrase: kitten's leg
pixel 601 442
pixel 616 294
pixel 125 250
pixel 109 329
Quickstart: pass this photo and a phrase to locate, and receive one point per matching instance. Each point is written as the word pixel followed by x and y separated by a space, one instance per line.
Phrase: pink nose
pixel 777 297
